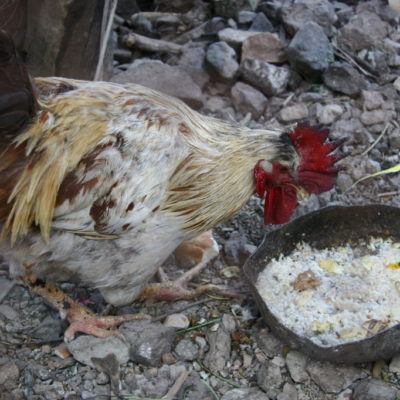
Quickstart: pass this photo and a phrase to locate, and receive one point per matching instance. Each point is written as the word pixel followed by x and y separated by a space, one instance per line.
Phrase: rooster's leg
pixel 178 289
pixel 81 319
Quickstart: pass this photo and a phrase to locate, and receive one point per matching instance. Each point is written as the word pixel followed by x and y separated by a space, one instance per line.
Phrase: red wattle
pixel 279 205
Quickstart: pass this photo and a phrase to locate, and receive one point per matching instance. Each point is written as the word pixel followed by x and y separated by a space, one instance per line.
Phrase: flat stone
pixel 248 99
pixel 264 47
pixel 296 363
pixel 296 112
pixel 170 80
pixel 261 24
pixel 374 389
pixel 85 347
pixel 333 378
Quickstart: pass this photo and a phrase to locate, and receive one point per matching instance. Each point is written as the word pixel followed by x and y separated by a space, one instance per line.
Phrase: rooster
pixel 99 183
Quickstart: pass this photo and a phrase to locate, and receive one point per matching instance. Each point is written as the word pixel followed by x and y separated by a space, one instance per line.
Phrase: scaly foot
pixel 80 318
pixel 178 289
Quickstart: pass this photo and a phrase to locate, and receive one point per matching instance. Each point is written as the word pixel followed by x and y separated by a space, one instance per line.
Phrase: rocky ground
pixel 259 63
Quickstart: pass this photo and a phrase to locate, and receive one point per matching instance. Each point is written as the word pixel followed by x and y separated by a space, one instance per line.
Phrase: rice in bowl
pixel 335 295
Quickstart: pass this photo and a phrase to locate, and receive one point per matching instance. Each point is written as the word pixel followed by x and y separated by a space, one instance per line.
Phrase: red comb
pixel 317 172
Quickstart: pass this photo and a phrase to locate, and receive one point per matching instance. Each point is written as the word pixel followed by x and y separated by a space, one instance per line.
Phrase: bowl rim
pixel 377 346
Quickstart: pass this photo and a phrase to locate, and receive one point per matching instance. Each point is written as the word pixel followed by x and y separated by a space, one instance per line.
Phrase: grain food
pixel 335 295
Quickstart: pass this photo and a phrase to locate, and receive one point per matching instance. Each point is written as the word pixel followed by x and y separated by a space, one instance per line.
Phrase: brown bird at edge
pixel 100 182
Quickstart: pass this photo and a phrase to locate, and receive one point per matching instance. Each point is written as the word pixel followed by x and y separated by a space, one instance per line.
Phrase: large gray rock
pixel 296 15
pixel 63 38
pixel 248 99
pixel 363 31
pixel 169 80
pixel 343 78
pixel 269 78
pixel 148 341
pixel 310 51
pixel 223 59
pixel 374 389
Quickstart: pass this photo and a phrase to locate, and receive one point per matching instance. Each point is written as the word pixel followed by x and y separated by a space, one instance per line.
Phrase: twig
pixel 209 387
pixel 149 44
pixel 192 328
pixel 343 54
pixel 104 39
pixel 385 194
pixel 192 34
pixel 172 392
pixel 385 129
pixel 287 100
pixel 151 15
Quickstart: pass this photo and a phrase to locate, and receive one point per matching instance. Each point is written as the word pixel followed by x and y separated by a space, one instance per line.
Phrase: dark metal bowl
pixel 331 226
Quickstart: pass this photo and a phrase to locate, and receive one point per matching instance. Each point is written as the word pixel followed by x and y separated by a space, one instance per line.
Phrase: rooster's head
pixel 315 172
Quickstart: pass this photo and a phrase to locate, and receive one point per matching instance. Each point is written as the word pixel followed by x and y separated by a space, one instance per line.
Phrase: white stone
pixel 179 321
pixel 329 114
